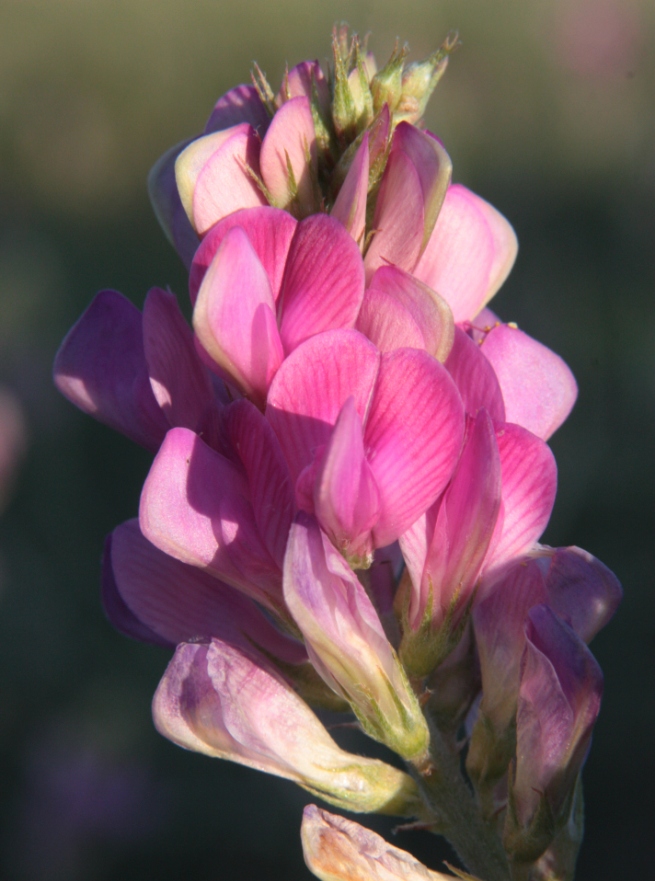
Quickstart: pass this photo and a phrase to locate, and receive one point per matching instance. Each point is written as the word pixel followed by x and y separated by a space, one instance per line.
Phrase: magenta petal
pixel 101 368
pixel 269 230
pixel 195 507
pixel 323 284
pixel 427 309
pixel 311 387
pixel 165 199
pixel 475 378
pixel 290 142
pixel 529 476
pixel 538 388
pixel 271 491
pixel 413 436
pixel 469 253
pixel 350 205
pixel 234 316
pixel 180 603
pixel 179 380
pixel 240 104
pixel 387 323
pixel 346 497
pixel 399 217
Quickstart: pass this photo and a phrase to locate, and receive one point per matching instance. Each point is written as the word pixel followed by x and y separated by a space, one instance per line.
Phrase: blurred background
pixel 548 111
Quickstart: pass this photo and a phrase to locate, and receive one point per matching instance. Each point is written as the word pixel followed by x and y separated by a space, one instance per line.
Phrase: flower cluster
pixel 351 475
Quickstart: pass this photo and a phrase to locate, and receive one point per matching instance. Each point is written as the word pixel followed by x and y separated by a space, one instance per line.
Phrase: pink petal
pixel 290 142
pixel 538 388
pixel 433 166
pixel 399 217
pixel 101 368
pixel 240 104
pixel 529 479
pixel 323 284
pixel 346 498
pixel 475 379
pixel 427 309
pixel 178 378
pixel 413 436
pixel 234 316
pixel 387 323
pixel 350 205
pixel 471 247
pixel 306 79
pixel 166 202
pixel 311 387
pixel 269 230
pixel 271 491
pixel 195 507
pixel 179 603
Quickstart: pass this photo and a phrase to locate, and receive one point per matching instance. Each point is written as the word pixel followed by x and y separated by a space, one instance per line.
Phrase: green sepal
pixel 386 85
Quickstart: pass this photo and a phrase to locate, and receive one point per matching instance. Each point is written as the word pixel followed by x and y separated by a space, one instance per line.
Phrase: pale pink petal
pixel 179 380
pixel 506 246
pixel 433 166
pixel 101 368
pixel 290 142
pixel 195 507
pixel 166 202
pixel 399 217
pixel 306 79
pixel 350 205
pixel 538 388
pixel 269 230
pixel 311 387
pixel 529 479
pixel 413 436
pixel 346 497
pixel 475 378
pixel 428 310
pixel 234 316
pixel 271 491
pixel 240 104
pixel 180 603
pixel 323 284
pixel 387 323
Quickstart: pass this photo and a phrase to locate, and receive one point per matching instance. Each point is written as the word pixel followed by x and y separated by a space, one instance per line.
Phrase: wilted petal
pixel 311 387
pixel 178 378
pixel 212 176
pixel 166 202
pixel 538 388
pixel 195 507
pixel 101 368
pixel 323 283
pixel 234 316
pixel 240 104
pixel 337 849
pixel 413 435
pixel 269 231
pixel 350 205
pixel 346 642
pixel 423 308
pixel 474 377
pixel 469 254
pixel 290 146
pixel 179 603
pixel 217 700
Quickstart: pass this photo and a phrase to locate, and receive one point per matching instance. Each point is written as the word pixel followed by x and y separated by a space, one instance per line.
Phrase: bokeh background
pixel 548 111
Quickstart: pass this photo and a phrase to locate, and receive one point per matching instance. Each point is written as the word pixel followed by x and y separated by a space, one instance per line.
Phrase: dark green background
pixel 547 111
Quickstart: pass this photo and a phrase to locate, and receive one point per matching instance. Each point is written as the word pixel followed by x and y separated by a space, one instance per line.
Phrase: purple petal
pixel 101 368
pixel 290 142
pixel 538 388
pixel 414 435
pixel 475 378
pixel 166 202
pixel 323 284
pixel 179 380
pixel 234 316
pixel 240 104
pixel 311 387
pixel 269 230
